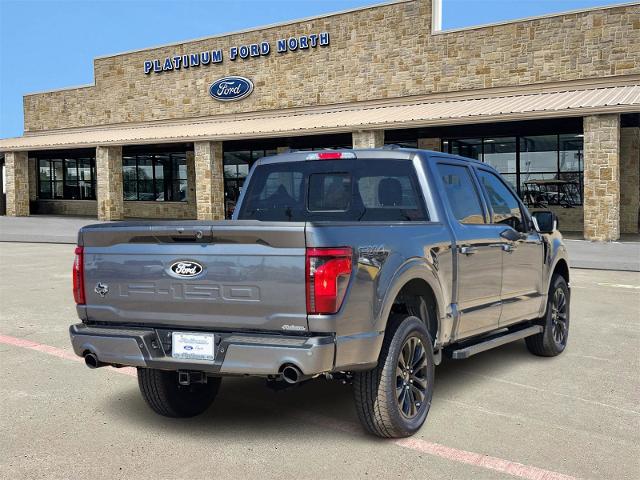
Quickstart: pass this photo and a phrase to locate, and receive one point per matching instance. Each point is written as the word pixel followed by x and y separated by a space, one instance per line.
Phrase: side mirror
pixel 545 221
pixel 511 235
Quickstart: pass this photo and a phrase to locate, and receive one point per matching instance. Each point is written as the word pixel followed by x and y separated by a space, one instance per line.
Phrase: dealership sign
pixel 244 52
pixel 228 89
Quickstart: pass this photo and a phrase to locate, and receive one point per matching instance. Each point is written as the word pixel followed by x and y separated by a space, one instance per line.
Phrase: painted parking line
pixel 496 464
pixel 618 285
pixel 548 391
pixel 478 460
pixel 55 352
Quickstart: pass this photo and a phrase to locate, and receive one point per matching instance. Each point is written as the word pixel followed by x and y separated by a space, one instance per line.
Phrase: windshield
pixel 337 190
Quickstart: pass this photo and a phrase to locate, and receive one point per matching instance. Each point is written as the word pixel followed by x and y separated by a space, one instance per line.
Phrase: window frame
pixel 526 217
pixel 63 159
pixel 155 163
pixel 236 181
pixel 446 145
pixel 486 212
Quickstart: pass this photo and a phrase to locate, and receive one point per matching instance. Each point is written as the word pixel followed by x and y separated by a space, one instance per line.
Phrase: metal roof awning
pixel 574 102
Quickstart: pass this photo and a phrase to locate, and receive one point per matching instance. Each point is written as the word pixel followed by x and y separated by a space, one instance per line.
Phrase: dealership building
pixel 552 102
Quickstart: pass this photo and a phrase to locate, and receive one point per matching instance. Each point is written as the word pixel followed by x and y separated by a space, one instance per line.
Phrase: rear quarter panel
pixel 386 257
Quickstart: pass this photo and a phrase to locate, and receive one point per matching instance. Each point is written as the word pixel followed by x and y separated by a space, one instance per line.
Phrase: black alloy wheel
pixel 411 377
pixel 559 317
pixel 393 399
pixel 553 339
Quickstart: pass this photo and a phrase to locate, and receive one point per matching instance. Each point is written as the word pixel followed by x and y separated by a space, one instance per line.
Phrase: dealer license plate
pixel 193 346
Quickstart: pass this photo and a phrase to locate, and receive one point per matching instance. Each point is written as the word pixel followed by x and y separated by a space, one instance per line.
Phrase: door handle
pixel 508 247
pixel 468 250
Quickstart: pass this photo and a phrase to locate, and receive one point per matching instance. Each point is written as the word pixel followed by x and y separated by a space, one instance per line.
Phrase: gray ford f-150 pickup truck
pixel 360 265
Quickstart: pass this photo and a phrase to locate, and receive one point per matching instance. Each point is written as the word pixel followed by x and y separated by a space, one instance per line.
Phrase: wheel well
pixel 417 298
pixel 562 269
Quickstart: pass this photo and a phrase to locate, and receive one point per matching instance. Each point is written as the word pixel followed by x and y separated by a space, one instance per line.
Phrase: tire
pixel 165 396
pixel 553 339
pixel 384 409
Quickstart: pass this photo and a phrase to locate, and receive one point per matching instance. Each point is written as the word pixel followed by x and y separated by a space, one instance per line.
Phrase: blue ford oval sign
pixel 228 89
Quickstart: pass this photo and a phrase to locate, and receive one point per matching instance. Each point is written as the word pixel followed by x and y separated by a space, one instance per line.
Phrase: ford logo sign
pixel 228 89
pixel 185 268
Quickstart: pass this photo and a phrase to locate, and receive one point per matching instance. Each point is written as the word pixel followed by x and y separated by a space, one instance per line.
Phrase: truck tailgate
pixel 240 275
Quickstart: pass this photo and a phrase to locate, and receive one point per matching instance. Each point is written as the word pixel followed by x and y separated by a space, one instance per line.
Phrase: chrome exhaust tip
pixel 291 374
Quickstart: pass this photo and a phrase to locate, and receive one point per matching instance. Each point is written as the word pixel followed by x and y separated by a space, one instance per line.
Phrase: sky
pixel 50 44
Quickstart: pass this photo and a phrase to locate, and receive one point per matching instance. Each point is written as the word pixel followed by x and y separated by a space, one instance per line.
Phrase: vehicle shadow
pixel 246 408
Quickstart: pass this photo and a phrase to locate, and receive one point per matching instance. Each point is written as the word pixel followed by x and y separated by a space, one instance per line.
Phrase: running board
pixel 494 341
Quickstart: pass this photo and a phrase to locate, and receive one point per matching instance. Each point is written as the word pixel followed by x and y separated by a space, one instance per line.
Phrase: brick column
pixel 209 181
pixel 434 144
pixel 191 183
pixel 368 139
pixel 629 179
pixel 16 166
pixel 602 177
pixel 109 182
pixel 33 176
pixel 191 177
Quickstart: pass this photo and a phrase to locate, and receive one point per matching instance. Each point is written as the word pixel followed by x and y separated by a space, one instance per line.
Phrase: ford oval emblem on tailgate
pixel 228 89
pixel 185 268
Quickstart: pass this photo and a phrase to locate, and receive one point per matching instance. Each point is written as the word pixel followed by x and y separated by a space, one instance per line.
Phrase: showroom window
pixel 69 176
pixel 239 157
pixel 160 177
pixel 236 169
pixel 543 169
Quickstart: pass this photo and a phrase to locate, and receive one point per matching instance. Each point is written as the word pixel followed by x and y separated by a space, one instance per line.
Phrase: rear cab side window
pixel 506 209
pixel 461 193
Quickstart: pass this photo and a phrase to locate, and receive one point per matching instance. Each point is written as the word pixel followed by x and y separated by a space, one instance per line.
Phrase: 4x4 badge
pixel 101 289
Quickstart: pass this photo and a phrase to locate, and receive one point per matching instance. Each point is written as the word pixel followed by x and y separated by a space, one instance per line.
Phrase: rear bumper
pixel 236 354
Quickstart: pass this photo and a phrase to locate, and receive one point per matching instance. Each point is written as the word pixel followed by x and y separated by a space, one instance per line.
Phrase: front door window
pixel 504 204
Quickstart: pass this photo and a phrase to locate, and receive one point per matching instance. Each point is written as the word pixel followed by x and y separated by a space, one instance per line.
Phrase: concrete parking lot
pixel 500 414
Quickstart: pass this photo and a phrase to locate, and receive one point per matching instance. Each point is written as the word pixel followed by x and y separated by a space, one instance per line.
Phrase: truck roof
pixel 388 152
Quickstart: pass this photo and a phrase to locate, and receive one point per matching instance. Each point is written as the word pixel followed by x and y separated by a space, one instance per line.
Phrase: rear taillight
pixel 328 272
pixel 78 276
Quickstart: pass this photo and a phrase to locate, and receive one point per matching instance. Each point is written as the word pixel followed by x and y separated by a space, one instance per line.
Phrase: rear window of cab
pixel 334 190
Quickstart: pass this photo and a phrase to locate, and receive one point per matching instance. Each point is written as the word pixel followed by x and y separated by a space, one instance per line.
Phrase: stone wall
pixel 368 139
pixel 209 181
pixel 89 208
pixel 375 53
pixel 434 144
pixel 81 208
pixel 109 183
pixel 33 179
pixel 178 210
pixel 17 183
pixel 629 179
pixel 602 177
pixel 569 219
